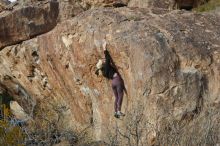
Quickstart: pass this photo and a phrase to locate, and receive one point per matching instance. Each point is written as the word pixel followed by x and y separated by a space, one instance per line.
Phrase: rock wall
pixel 164 4
pixel 169 62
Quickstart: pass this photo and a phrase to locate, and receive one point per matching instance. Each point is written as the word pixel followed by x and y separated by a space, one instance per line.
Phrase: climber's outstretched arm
pixel 107 62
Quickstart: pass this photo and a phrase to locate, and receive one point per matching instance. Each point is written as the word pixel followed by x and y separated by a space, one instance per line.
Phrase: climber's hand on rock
pixel 104 46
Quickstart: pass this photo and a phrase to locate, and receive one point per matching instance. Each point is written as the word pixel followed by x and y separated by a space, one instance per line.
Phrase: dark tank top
pixel 108 70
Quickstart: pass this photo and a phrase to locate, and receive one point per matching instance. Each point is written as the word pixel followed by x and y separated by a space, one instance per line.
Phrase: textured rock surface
pixel 18 111
pixel 169 62
pixel 99 3
pixel 3 4
pixel 166 4
pixel 26 22
pixel 71 8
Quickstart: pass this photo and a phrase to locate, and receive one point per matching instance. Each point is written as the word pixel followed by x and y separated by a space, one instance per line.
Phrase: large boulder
pixel 169 62
pixel 26 22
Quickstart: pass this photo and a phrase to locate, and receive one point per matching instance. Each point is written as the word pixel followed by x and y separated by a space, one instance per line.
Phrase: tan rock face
pixel 71 8
pixel 165 4
pixel 18 111
pixel 169 62
pixel 26 22
pixel 98 3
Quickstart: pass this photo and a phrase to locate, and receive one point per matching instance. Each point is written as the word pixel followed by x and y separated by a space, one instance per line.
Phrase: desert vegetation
pixel 44 130
pixel 202 130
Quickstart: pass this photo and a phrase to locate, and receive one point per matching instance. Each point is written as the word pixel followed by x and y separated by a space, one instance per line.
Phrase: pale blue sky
pixel 12 0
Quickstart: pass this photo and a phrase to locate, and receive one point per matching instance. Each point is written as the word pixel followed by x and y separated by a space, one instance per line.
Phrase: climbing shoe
pixel 119 113
pixel 116 115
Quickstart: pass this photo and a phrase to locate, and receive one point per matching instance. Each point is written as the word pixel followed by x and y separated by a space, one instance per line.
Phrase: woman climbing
pixel 110 71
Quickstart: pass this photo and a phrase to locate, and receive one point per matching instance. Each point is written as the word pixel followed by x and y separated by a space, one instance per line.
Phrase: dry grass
pixel 202 130
pixel 45 129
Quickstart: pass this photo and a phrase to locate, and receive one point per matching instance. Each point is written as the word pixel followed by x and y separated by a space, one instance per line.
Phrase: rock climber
pixel 109 70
